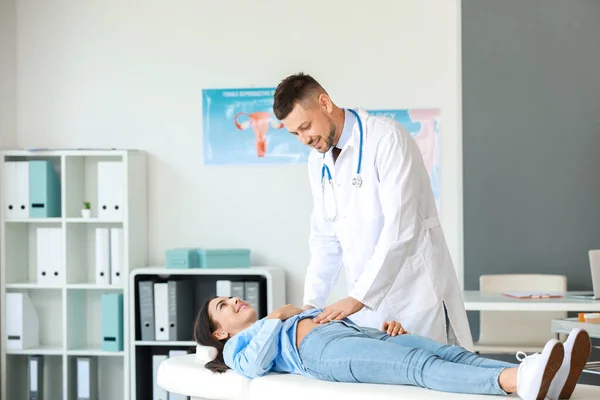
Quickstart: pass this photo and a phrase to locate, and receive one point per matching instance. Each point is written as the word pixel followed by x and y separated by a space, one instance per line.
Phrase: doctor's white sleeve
pixel 399 170
pixel 325 255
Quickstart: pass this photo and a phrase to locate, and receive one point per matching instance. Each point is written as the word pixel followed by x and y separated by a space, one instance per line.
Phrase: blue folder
pixel 44 190
pixel 112 322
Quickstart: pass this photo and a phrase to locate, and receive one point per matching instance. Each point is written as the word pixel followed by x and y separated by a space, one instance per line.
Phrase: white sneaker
pixel 577 351
pixel 536 371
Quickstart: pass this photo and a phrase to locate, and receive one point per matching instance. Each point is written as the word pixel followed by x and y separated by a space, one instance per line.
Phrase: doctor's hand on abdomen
pixel 339 310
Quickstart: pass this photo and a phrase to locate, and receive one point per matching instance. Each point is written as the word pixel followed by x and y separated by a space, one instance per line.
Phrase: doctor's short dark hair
pixel 291 90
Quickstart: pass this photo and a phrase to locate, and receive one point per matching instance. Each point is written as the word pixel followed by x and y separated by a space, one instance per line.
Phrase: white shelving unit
pixel 70 311
pixel 273 295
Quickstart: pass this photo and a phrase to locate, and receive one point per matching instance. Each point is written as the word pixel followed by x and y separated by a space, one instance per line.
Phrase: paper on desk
pixel 533 295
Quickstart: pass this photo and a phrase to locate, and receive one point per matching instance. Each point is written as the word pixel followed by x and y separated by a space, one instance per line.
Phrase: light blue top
pixel 267 345
pixel 349 121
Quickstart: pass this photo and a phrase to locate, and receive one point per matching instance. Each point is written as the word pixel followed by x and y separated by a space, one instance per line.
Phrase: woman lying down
pixel 288 341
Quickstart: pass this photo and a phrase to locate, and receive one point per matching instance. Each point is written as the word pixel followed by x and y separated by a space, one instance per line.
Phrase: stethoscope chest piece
pixel 357 181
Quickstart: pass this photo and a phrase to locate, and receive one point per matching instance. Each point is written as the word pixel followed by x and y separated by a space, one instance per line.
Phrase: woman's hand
pixel 393 328
pixel 284 312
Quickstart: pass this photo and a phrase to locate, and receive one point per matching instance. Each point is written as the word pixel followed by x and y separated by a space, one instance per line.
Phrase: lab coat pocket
pixel 412 290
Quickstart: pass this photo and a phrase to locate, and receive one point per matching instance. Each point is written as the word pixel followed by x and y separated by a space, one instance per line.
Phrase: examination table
pixel 186 375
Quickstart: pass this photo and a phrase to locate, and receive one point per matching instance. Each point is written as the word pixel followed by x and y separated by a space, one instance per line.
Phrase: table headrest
pixel 205 353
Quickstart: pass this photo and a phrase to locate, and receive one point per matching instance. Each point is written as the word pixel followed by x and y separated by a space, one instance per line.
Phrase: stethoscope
pixel 356 181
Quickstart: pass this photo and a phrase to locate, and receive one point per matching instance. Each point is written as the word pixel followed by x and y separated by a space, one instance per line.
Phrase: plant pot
pixel 85 213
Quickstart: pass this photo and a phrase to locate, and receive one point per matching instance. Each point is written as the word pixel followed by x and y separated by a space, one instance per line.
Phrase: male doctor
pixel 374 215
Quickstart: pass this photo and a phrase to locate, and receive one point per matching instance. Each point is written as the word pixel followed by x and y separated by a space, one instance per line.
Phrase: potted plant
pixel 87 209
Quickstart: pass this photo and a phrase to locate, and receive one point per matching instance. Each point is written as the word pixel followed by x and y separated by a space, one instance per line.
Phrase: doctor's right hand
pixel 284 312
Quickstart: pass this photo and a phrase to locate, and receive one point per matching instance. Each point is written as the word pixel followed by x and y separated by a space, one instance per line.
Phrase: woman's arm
pixel 253 351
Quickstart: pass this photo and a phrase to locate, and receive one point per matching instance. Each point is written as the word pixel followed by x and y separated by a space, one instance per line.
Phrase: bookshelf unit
pixel 272 295
pixel 70 308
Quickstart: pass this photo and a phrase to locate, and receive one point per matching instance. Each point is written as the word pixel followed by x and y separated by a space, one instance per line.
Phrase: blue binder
pixel 44 190
pixel 112 322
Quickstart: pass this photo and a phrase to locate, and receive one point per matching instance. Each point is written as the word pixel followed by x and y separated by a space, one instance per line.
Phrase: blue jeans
pixel 342 352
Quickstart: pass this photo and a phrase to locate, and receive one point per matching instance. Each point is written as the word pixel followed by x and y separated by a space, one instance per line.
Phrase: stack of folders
pixel 32 189
pixel 111 184
pixel 244 290
pixel 158 392
pixel 49 257
pixel 166 309
pixel 109 256
pixel 86 376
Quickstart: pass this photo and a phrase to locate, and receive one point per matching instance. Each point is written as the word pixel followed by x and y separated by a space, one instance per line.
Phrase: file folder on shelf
pixel 252 294
pixel 177 396
pixel 44 190
pixel 176 353
pixel 111 186
pixel 161 311
pixel 102 256
pixel 117 256
pixel 181 301
pixel 112 322
pixel 227 288
pixel 36 377
pixel 22 322
pixel 9 189
pixel 224 288
pixel 158 393
pixel 146 306
pixel 16 189
pixel 237 290
pixel 50 264
pixel 22 189
pixel 87 378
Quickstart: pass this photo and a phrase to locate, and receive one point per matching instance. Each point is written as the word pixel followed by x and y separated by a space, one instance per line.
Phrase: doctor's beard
pixel 331 136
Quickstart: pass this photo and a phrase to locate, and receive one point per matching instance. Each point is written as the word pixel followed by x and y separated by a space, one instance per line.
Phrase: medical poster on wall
pixel 423 125
pixel 239 128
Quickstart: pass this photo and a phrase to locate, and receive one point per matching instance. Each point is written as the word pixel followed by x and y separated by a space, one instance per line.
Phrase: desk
pixel 477 301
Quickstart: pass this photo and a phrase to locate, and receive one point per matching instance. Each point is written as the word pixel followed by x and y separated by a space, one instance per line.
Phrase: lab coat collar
pixel 363 115
pixel 355 139
pixel 347 130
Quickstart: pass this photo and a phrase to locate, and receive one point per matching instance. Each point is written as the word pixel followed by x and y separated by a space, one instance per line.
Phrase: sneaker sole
pixel 582 347
pixel 552 366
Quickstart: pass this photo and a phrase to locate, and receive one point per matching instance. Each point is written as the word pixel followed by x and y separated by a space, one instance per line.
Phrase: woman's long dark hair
pixel 203 335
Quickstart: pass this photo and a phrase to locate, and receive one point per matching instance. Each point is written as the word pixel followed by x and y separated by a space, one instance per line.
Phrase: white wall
pixel 129 74
pixel 8 58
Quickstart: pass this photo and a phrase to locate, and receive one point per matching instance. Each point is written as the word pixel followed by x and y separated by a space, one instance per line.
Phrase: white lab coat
pixel 387 236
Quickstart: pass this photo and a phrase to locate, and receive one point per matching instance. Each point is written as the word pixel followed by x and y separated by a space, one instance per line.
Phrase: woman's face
pixel 230 315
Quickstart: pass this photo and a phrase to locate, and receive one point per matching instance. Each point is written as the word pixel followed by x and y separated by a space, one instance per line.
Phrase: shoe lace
pixel 521 356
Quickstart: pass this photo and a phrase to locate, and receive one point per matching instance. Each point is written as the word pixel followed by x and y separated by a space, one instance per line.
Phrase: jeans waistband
pixel 317 330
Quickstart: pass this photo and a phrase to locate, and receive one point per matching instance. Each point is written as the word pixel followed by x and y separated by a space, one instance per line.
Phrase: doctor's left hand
pixel 339 310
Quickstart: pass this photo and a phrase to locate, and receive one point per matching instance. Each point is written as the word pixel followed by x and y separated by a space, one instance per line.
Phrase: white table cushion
pixel 187 375
pixel 271 387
